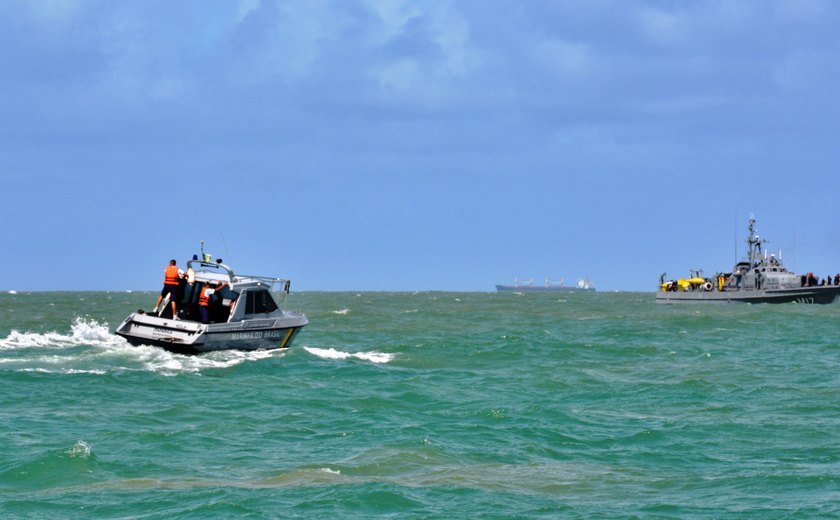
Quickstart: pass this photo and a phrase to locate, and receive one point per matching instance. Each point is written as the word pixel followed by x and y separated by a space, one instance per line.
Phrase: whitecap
pixel 331 471
pixel 80 450
pixel 331 353
pixel 341 312
pixel 82 332
pixel 155 359
pixel 375 357
pixel 13 291
pixel 69 371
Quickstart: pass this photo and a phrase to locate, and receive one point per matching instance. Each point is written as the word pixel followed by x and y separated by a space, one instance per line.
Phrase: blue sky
pixel 408 145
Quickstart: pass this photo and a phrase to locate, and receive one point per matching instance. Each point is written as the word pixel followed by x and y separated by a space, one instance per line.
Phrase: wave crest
pixel 331 353
pixel 82 332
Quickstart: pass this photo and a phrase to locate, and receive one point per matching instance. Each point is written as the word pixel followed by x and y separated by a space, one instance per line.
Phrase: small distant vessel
pixel 245 316
pixel 528 286
pixel 761 278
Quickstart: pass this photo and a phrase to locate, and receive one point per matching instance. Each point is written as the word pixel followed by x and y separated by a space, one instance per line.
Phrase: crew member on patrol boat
pixel 204 299
pixel 171 282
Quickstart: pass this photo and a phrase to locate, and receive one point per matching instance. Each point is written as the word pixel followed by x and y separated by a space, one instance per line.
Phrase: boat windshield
pixel 259 302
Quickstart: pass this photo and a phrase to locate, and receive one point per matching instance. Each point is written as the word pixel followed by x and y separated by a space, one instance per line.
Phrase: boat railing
pixel 239 278
pixel 269 280
pixel 212 265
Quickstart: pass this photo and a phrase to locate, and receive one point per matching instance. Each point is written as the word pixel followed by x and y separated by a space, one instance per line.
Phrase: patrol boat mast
pixel 754 242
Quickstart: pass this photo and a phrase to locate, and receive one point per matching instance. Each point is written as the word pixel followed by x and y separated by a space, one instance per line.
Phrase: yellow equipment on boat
pixel 685 283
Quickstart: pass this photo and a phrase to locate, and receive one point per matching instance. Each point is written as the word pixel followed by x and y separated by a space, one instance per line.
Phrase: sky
pixel 355 145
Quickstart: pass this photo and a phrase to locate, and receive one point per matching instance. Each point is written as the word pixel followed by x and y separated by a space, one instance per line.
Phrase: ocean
pixel 430 405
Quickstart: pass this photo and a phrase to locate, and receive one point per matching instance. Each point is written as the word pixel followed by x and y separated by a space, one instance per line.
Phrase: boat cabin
pixel 235 298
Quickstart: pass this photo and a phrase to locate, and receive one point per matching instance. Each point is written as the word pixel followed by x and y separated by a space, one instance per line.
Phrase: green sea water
pixel 427 405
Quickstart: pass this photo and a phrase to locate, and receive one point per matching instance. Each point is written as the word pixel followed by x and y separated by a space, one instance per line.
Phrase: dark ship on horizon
pixel 523 286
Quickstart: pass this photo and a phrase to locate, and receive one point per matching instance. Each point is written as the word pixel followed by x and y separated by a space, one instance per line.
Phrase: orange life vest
pixel 171 275
pixel 204 297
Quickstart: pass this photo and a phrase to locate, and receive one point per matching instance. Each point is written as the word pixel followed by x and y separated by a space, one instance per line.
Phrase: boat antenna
pixel 753 241
pixel 227 253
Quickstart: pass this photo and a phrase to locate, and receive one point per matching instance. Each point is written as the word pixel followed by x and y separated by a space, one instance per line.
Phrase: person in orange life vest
pixel 204 299
pixel 171 277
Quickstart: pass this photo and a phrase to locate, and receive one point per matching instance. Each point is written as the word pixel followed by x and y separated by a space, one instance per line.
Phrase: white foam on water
pixel 331 353
pixel 104 352
pixel 13 291
pixel 341 312
pixel 163 362
pixel 80 450
pixel 82 332
pixel 60 371
pixel 331 471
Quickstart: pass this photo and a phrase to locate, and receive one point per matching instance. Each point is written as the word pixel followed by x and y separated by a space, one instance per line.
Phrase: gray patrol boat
pixel 243 314
pixel 761 278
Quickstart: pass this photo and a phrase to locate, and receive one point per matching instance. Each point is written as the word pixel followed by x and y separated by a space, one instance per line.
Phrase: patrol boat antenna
pixel 754 242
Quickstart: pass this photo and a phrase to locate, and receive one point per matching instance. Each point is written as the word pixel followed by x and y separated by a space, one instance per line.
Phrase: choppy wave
pixel 90 348
pixel 341 312
pixel 79 450
pixel 82 332
pixel 331 353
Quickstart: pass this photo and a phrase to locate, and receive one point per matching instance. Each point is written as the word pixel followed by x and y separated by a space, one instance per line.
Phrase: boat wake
pixel 331 353
pixel 90 348
pixel 82 332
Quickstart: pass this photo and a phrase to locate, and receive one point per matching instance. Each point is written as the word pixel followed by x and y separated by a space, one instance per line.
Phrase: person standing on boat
pixel 204 299
pixel 171 282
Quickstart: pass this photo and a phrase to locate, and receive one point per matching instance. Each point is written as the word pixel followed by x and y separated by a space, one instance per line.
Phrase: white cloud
pixel 571 60
pixel 802 10
pixel 55 10
pixel 393 14
pixel 402 75
pixel 244 8
pixel 664 27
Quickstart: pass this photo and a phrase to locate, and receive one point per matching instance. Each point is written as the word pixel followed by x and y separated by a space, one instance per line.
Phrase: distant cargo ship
pixel 528 286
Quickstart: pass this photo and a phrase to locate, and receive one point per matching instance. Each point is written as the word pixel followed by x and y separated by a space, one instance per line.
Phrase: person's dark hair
pixel 172 262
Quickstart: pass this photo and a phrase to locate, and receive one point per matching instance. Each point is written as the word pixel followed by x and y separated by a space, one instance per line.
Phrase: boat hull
pixel 194 338
pixel 818 295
